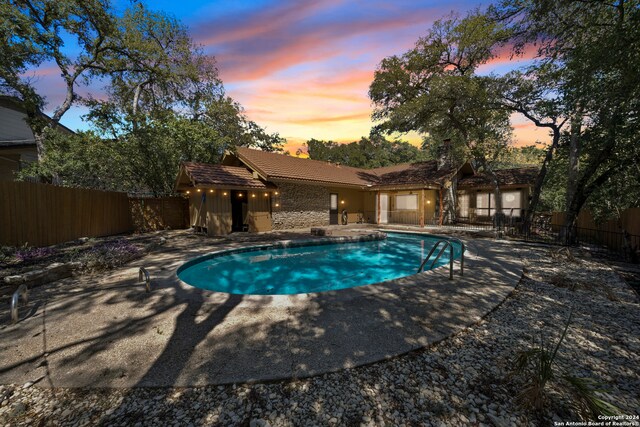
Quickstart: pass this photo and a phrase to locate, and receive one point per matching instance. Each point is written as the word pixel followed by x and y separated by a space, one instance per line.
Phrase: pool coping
pixel 191 292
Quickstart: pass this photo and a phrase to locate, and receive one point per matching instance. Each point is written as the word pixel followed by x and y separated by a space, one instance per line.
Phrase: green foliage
pixel 588 60
pixel 158 112
pixel 619 192
pixel 538 367
pixel 433 89
pixel 517 157
pixel 367 153
pixel 553 197
pixel 144 159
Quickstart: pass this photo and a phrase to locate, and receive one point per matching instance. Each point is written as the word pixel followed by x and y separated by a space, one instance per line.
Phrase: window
pixel 407 202
pixel 334 202
pixel 482 204
pixel 463 205
pixel 511 203
pixel 485 204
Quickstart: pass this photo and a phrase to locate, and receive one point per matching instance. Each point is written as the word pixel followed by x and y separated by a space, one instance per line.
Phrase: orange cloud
pixel 303 69
pixel 330 119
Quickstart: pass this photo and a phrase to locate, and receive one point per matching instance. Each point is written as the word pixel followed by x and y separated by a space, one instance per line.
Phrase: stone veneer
pixel 301 206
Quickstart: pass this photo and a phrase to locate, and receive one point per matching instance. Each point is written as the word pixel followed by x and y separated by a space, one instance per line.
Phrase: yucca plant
pixel 539 368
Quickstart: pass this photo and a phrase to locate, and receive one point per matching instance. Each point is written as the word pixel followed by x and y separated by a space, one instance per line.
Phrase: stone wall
pixel 301 206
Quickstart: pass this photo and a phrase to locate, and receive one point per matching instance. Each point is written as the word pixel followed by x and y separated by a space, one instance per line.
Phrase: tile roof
pixel 278 166
pixel 273 165
pixel 221 175
pixel 517 176
pixel 420 173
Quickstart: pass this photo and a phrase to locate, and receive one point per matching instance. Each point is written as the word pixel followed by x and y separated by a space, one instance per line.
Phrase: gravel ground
pixel 461 381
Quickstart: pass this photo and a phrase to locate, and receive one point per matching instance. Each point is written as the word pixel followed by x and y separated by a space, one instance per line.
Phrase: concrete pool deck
pixel 105 331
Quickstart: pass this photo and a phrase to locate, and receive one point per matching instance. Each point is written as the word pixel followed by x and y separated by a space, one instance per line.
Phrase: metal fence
pixel 599 241
pixel 542 230
pixel 603 242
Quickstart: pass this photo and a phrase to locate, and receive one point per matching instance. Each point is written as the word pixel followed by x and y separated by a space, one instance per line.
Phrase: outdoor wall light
pixel 253 194
pixel 266 194
pixel 342 202
pixel 210 191
pixel 276 193
pixel 239 194
pixel 198 190
pixel 428 202
pixel 277 205
pixel 188 192
pixel 224 194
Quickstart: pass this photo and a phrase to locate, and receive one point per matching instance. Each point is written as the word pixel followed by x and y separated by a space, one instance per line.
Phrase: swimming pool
pixel 307 269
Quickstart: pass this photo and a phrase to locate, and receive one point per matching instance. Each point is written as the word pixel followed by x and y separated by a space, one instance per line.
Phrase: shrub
pixel 539 369
pixel 109 254
pixel 7 255
pixel 28 255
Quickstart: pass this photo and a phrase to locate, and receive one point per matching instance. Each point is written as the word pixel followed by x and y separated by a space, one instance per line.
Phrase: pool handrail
pixel 448 244
pixel 24 291
pixel 455 239
pixel 426 259
pixel 444 248
pixel 147 278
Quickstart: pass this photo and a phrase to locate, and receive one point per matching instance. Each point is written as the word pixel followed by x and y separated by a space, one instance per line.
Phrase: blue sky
pixel 302 68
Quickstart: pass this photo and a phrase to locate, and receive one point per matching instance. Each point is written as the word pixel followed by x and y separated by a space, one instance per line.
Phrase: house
pixel 17 143
pixel 254 190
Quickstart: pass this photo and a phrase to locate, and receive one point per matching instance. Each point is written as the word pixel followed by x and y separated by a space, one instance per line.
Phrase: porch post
pixel 378 204
pixel 440 220
pixel 422 208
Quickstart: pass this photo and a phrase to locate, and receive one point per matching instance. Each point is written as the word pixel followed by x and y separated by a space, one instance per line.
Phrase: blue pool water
pixel 312 268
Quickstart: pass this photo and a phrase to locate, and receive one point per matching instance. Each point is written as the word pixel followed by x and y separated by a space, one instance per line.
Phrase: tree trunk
pixel 579 198
pixel 499 217
pixel 574 160
pixel 38 135
pixel 537 188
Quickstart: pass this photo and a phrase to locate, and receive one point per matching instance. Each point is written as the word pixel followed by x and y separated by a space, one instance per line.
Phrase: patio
pixel 105 331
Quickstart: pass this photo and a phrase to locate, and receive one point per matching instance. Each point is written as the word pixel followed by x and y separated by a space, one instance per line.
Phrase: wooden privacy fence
pixel 42 214
pixel 629 220
pixel 159 213
pixel 608 233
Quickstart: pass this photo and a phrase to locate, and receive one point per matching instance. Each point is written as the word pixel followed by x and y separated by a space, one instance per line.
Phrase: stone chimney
pixel 445 159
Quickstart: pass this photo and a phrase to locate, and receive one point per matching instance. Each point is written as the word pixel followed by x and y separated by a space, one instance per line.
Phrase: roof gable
pixel 278 166
pixel 215 175
pixel 515 176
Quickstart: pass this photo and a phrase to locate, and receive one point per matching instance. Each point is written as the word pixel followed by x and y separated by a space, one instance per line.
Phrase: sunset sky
pixel 303 68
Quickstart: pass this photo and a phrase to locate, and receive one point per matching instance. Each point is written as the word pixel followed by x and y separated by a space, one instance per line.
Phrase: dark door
pixel 333 209
pixel 238 211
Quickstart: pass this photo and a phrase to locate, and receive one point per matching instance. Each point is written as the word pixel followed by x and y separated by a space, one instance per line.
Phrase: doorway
pixel 239 211
pixel 333 208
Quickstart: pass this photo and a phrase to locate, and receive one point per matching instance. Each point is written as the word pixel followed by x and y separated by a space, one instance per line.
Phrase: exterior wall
pixel 300 206
pixel 259 212
pixel 13 125
pixel 353 203
pixel 370 206
pixel 214 214
pixel 13 159
pixel 430 201
pixel 9 165
pixel 218 213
